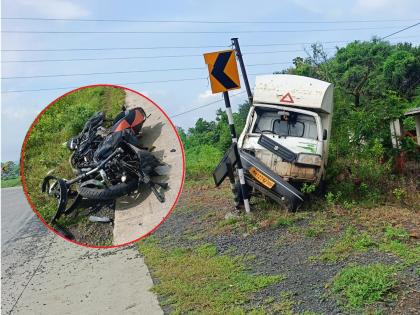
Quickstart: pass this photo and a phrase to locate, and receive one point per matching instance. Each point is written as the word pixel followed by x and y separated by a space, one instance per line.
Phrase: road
pixel 17 215
pixel 44 274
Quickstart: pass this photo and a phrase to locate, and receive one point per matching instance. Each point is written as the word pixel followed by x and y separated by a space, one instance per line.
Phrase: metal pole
pixel 241 174
pixel 235 43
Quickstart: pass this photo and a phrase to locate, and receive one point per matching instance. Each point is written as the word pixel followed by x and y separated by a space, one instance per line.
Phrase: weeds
pixel 352 241
pixel 364 285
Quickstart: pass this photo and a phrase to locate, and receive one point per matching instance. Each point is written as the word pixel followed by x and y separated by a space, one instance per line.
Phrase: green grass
pixel 201 279
pixel 323 222
pixel 11 182
pixel 201 161
pixel 63 120
pixel 285 305
pixel 364 285
pixel 409 255
pixel 352 241
pixel 285 221
pixel 396 241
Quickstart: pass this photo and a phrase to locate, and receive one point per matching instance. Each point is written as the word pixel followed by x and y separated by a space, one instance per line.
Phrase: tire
pixel 292 205
pixel 108 193
pixel 321 190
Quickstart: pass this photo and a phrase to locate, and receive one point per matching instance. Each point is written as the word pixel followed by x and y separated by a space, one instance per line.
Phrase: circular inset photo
pixel 102 166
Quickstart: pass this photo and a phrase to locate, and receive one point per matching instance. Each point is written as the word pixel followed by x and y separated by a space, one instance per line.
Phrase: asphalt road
pixel 16 213
pixel 44 274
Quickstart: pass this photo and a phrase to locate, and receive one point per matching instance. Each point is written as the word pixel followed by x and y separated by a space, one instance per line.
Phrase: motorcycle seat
pixel 130 119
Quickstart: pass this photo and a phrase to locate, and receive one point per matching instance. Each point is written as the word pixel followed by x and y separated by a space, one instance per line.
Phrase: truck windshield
pixel 290 124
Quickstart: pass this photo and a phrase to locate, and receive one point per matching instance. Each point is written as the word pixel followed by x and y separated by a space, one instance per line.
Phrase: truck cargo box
pixel 295 91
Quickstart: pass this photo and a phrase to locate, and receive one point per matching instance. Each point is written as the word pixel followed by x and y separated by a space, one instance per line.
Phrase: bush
pixel 360 174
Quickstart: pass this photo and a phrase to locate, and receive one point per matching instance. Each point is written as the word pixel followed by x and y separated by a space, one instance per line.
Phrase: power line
pixel 105 58
pixel 402 30
pixel 205 105
pixel 100 73
pixel 199 32
pixel 131 71
pixel 184 47
pixel 120 48
pixel 126 83
pixel 204 21
pixel 139 57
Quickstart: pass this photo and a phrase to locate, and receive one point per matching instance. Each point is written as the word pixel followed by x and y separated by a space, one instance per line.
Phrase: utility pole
pixel 235 44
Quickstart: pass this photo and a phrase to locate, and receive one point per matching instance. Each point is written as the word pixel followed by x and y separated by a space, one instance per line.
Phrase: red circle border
pixel 22 164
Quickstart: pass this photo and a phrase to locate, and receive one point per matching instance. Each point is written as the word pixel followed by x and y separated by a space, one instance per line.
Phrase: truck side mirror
pixel 325 135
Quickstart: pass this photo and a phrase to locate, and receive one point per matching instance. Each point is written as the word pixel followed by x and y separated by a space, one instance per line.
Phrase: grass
pixel 285 306
pixel 363 285
pixel 323 221
pixel 351 242
pixel 409 255
pixel 265 214
pixel 63 120
pixel 396 241
pixel 201 161
pixel 201 279
pixel 285 221
pixel 11 182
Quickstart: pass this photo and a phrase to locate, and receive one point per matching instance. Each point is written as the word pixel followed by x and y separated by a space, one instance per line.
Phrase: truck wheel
pixel 321 189
pixel 292 205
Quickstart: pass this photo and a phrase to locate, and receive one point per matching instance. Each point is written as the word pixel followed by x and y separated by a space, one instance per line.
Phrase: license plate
pixel 261 177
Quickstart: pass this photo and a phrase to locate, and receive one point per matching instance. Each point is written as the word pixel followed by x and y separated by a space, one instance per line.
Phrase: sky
pixel 19 109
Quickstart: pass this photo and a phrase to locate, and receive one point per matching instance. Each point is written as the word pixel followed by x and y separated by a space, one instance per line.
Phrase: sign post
pixel 224 76
pixel 235 44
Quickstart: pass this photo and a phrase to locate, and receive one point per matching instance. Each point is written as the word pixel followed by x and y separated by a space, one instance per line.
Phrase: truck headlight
pixel 310 159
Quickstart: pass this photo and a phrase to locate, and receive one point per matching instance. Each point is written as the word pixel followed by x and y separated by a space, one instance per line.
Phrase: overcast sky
pixel 19 109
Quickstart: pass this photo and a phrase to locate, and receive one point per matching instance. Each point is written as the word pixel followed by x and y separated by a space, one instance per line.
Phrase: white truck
pixel 285 140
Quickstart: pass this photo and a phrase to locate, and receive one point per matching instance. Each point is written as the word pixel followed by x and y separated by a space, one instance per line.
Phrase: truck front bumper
pixel 280 191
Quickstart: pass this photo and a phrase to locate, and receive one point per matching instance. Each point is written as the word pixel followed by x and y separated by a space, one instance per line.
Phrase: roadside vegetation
pixel 364 285
pixel 354 249
pixel 10 174
pixel 199 279
pixel 46 151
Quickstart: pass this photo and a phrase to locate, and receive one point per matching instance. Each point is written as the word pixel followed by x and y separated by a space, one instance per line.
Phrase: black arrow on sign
pixel 218 70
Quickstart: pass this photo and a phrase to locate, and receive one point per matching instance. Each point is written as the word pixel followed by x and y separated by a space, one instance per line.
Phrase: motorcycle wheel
pixel 108 193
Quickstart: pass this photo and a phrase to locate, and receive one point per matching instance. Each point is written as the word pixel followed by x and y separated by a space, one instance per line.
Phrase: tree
pixel 401 70
pixel 357 66
pixel 9 169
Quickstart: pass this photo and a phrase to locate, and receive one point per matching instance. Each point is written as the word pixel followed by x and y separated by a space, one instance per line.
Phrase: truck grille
pixel 277 149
